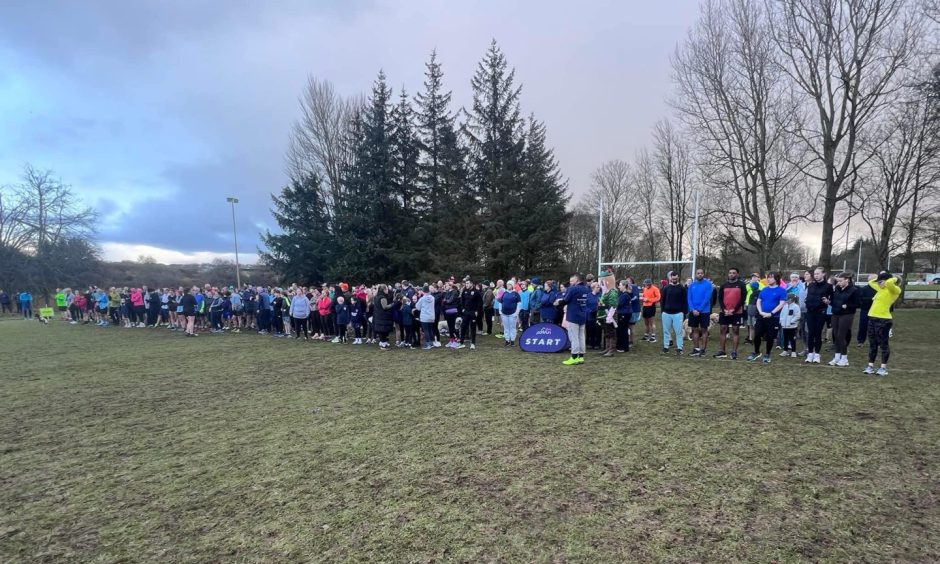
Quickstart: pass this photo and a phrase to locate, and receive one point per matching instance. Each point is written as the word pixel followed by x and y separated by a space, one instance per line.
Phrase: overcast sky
pixel 156 111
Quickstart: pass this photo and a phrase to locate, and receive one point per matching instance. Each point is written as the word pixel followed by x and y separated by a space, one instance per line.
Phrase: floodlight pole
pixel 858 269
pixel 698 199
pixel 238 275
pixel 600 236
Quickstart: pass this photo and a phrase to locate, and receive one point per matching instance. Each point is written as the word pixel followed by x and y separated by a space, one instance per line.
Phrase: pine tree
pixel 450 216
pixel 373 227
pixel 303 252
pixel 495 133
pixel 541 223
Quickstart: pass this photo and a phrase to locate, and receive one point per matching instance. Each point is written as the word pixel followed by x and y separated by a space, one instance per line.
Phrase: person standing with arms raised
pixel 887 288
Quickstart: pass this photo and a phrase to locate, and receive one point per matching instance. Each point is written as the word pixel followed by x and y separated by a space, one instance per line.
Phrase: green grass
pixel 140 445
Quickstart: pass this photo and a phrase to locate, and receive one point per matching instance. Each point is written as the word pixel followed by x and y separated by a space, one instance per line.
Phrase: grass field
pixel 140 445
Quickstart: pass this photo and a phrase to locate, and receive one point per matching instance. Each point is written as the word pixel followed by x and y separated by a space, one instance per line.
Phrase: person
pixel 188 305
pixel 488 296
pixel 535 301
pixel 342 319
pixel 770 301
pixel 699 295
pixel 450 304
pixel 887 288
pixel 425 308
pixel 26 304
pixel 650 296
pixel 866 296
pixel 60 303
pixel 525 295
pixel 471 302
pixel 845 300
pixel 607 311
pixel 547 309
pixel 299 312
pixel 575 298
pixel 592 326
pixel 790 317
pixel 5 303
pixel 509 303
pixel 675 305
pixel 102 305
pixel 818 297
pixel 753 288
pixel 382 316
pixel 324 309
pixel 731 301
pixel 624 316
pixel 357 316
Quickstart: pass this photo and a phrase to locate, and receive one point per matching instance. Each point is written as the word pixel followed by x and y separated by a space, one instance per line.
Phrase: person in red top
pixel 731 297
pixel 325 310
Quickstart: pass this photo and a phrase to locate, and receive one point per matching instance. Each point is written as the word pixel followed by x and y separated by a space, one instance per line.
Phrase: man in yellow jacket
pixel 887 288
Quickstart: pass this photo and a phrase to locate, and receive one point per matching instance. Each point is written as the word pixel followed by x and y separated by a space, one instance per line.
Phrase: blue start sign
pixel 544 338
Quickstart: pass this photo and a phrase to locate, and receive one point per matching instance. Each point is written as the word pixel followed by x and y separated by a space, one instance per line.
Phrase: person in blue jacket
pixel 699 296
pixel 575 299
pixel 547 303
pixel 342 319
pixel 535 302
pixel 525 294
pixel 637 303
pixel 26 304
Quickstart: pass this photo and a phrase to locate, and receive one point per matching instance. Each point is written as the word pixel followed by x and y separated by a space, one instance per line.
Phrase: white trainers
pixel 844 361
pixel 835 360
pixel 437 344
pixel 473 347
pixel 785 353
pixel 816 358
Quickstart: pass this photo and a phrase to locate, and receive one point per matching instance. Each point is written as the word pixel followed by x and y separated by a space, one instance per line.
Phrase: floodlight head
pixel 232 200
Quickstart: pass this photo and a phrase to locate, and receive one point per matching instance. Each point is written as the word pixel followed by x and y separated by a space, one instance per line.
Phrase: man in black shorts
pixel 731 297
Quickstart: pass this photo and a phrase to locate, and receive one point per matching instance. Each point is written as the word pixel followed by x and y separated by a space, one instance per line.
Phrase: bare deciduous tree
pixel 50 212
pixel 613 191
pixel 673 166
pixel 319 138
pixel 743 112
pixel 845 56
pixel 902 166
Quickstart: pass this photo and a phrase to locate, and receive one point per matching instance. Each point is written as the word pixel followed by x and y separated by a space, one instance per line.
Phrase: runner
pixel 887 288
pixel 770 301
pixel 818 298
pixel 675 306
pixel 731 301
pixel 846 298
pixel 650 296
pixel 699 296
pixel 575 298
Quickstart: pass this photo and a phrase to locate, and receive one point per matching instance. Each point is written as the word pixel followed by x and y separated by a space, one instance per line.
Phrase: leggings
pixel 623 331
pixel 814 327
pixel 878 330
pixel 341 333
pixel 842 332
pixel 299 324
pixel 789 340
pixel 357 330
pixel 766 329
pixel 468 326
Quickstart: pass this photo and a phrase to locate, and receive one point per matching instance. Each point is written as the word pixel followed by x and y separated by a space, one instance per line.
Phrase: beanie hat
pixel 884 275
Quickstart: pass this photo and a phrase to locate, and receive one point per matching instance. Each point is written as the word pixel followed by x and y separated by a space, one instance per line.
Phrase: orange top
pixel 650 296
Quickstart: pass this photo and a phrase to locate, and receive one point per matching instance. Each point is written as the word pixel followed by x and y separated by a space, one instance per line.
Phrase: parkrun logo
pixel 544 338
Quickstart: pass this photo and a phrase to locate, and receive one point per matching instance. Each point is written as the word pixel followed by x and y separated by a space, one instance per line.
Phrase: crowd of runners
pixel 810 308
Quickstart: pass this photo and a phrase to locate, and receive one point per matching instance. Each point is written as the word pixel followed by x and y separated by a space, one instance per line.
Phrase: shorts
pixel 752 315
pixel 634 317
pixel 734 320
pixel 700 322
pixel 649 312
pixel 226 315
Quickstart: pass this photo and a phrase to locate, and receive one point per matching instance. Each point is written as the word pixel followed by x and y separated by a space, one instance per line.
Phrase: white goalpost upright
pixel 600 238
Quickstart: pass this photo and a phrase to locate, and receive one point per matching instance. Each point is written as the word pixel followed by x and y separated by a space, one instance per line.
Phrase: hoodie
pixel 425 307
pixel 547 305
pixel 300 307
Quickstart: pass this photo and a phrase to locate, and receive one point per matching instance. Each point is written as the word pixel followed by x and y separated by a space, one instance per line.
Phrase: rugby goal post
pixel 600 238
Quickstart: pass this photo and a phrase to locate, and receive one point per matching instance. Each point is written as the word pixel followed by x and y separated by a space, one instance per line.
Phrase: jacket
pixel 625 304
pixel 699 296
pixel 576 299
pixel 382 312
pixel 535 301
pixel 425 306
pixel 866 296
pixel 324 305
pixel 547 309
pixel 884 298
pixel 790 316
pixel 342 315
pixel 300 307
pixel 188 302
pixel 845 300
pixel 815 292
pixel 470 302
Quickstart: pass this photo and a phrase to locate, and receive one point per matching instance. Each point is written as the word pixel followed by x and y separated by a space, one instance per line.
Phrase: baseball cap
pixel 885 275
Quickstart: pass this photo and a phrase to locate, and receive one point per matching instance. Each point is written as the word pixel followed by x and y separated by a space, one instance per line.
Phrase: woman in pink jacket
pixel 137 306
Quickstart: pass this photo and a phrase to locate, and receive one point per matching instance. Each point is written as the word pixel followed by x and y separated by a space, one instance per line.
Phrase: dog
pixel 445 332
